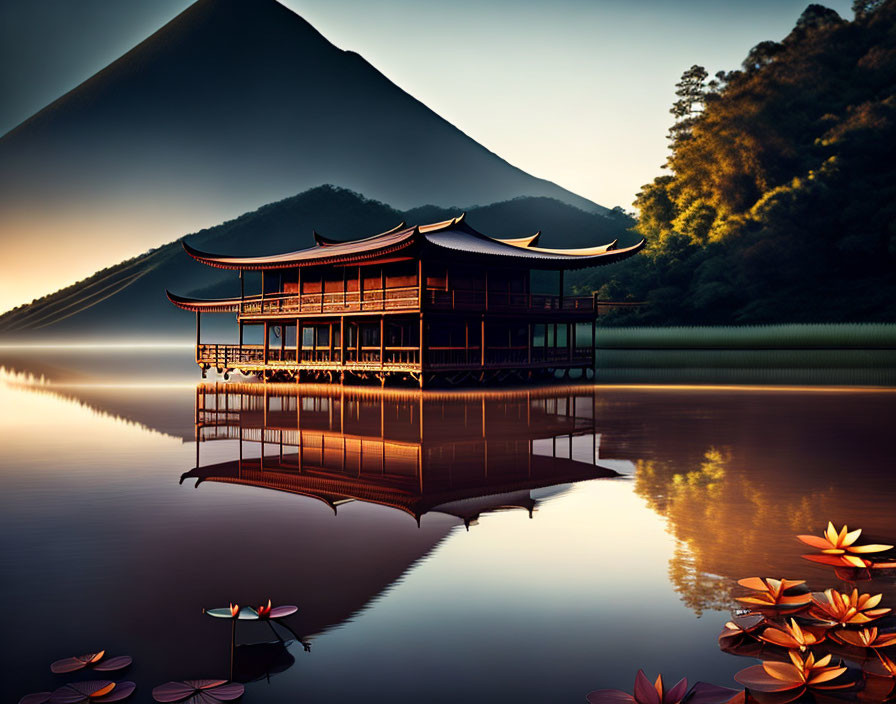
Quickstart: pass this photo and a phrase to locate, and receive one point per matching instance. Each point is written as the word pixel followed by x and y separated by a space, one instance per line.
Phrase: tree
pixel 691 92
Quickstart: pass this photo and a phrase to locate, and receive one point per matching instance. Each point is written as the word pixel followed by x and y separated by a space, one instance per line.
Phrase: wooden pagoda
pixel 438 302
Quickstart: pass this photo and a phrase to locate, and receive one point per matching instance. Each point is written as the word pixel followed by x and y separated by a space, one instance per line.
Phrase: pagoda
pixel 439 303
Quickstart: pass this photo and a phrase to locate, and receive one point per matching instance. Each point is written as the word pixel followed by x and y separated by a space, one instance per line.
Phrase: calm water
pixel 524 547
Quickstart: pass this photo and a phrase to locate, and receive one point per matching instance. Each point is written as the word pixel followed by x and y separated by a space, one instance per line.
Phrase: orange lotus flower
pixel 793 677
pixel 791 636
pixel 234 610
pixel 772 593
pixel 264 611
pixel 866 638
pixel 839 608
pixel 842 543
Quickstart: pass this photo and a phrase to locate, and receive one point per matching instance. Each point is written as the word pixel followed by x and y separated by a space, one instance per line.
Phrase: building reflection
pixel 461 454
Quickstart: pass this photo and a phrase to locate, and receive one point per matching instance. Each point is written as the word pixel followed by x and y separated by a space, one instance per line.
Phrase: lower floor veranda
pixel 413 347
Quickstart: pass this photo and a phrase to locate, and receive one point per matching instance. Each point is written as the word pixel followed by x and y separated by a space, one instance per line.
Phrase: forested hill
pixel 779 199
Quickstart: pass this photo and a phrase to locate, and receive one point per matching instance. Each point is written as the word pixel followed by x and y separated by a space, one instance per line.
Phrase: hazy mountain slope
pixel 231 104
pixel 128 301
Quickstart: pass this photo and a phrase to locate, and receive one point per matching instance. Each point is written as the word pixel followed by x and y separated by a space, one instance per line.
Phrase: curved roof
pixel 219 305
pixel 322 241
pixel 450 236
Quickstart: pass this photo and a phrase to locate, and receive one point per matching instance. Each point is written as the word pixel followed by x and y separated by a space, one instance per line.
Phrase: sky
pixel 574 91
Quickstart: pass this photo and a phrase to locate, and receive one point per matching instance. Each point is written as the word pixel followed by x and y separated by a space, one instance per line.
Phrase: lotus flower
pixel 866 638
pixel 247 613
pixel 792 677
pixel 772 593
pixel 95 692
pixel 198 691
pixel 839 545
pixel 791 636
pixel 91 660
pixel 646 693
pixel 839 608
pixel 232 611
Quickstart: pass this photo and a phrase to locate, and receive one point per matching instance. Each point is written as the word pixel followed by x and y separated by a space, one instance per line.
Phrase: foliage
pixel 779 204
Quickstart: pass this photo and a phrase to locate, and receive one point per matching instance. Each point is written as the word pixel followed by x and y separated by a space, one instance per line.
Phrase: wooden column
pixel 466 341
pixel 262 290
pixel 282 341
pixel 298 347
pixel 330 331
pixel 482 343
pixel 382 341
pixel 594 347
pixel 421 348
pixel 529 344
pixel 570 331
pixel 299 286
pixel 241 338
pixel 198 324
pixel 266 331
pixel 242 291
pixel 342 340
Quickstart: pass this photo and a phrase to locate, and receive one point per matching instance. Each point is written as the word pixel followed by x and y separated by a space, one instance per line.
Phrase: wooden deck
pixel 251 358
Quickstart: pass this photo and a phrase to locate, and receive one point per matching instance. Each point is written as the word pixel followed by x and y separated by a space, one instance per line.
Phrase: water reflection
pixel 455 454
pixel 351 503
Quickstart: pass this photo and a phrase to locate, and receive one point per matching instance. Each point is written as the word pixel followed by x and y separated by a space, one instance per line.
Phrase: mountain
pixel 232 104
pixel 127 300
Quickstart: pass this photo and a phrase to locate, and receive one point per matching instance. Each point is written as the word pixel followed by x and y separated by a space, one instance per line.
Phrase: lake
pixel 527 545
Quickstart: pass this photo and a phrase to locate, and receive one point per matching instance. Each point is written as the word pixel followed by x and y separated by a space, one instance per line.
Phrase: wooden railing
pixel 408 298
pixel 458 299
pixel 252 356
pixel 405 298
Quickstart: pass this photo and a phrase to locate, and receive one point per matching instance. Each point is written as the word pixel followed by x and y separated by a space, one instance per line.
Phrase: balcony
pixel 407 299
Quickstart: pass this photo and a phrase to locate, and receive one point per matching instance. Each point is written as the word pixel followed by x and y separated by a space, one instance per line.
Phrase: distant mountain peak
pixel 231 104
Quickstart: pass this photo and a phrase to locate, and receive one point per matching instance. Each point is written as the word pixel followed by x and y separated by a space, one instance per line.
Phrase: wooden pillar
pixel 594 348
pixel 382 340
pixel 262 289
pixel 486 289
pixel 282 341
pixel 382 287
pixel 322 286
pixel 482 343
pixel 570 331
pixel 420 283
pixel 299 286
pixel 420 353
pixel 241 338
pixel 529 344
pixel 242 291
pixel 198 325
pixel 298 343
pixel 330 331
pixel 266 331
pixel 466 341
pixel 342 340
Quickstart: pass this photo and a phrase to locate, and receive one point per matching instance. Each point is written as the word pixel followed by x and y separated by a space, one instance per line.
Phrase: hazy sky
pixel 575 91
